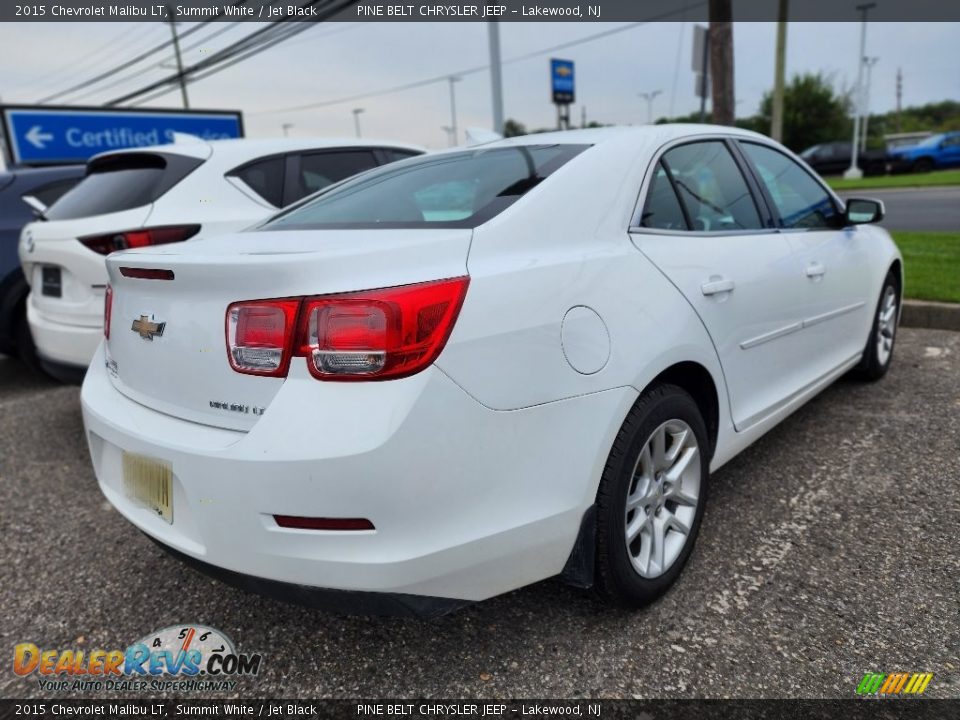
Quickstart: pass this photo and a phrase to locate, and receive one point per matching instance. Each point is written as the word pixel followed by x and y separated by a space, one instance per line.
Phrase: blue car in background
pixel 24 194
pixel 934 153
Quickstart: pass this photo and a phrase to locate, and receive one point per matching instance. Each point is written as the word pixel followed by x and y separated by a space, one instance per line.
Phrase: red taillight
pixel 107 310
pixel 311 523
pixel 106 244
pixel 259 336
pixel 369 335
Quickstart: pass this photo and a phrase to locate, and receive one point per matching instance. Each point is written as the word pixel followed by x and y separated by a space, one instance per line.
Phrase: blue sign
pixel 37 135
pixel 561 81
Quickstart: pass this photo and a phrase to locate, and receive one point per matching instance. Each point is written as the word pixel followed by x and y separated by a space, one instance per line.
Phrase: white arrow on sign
pixel 37 137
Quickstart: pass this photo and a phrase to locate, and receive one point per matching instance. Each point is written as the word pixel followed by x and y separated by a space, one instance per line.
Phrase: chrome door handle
pixel 815 270
pixel 717 286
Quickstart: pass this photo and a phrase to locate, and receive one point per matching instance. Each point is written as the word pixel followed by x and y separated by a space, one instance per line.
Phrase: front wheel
pixel 651 497
pixel 878 354
pixel 923 165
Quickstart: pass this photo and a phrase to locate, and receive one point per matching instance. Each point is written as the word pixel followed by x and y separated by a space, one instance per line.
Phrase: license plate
pixel 149 482
pixel 51 283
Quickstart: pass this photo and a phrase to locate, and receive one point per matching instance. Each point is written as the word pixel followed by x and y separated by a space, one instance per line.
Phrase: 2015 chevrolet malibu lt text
pixel 468 371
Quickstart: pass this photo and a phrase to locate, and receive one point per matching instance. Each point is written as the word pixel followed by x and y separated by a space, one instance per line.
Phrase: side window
pixel 711 187
pixel 317 170
pixel 265 177
pixel 800 200
pixel 662 208
pixel 394 154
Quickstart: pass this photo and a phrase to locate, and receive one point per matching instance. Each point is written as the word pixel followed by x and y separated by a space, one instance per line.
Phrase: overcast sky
pixel 328 62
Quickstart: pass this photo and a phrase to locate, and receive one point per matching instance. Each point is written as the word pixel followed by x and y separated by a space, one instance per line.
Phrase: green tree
pixel 813 112
pixel 513 128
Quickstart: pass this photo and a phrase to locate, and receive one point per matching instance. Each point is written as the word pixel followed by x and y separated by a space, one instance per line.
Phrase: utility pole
pixel 776 119
pixel 286 127
pixel 583 116
pixel 853 172
pixel 869 62
pixel 899 95
pixel 649 97
pixel 356 120
pixel 721 61
pixel 496 72
pixel 176 50
pixel 453 110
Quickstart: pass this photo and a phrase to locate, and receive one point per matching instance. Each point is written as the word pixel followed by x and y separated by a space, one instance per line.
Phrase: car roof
pixel 242 149
pixel 625 135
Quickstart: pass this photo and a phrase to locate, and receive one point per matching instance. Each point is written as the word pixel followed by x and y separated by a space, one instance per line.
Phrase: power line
pixel 479 68
pixel 133 61
pixel 250 45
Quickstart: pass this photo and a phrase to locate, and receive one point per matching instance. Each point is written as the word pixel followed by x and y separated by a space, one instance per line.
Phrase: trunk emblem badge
pixel 148 329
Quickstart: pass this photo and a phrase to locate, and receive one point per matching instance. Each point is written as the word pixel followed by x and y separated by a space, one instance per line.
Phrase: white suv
pixel 158 195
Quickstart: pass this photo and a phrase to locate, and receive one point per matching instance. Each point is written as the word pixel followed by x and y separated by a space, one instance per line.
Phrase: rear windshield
pixel 121 182
pixel 460 189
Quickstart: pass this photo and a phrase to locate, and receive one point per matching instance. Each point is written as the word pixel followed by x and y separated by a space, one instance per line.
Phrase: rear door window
pixel 318 170
pixel 121 182
pixel 662 209
pixel 712 188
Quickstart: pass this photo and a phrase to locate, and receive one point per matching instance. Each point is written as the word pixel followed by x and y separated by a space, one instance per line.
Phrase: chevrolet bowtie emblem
pixel 147 328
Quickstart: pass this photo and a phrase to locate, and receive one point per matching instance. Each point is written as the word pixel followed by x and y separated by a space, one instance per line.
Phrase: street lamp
pixel 853 172
pixel 453 110
pixel 356 120
pixel 869 62
pixel 286 127
pixel 649 96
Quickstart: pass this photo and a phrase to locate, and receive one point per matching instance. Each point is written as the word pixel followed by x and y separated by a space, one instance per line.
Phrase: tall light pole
pixel 286 127
pixel 176 50
pixel 356 120
pixel 649 97
pixel 496 73
pixel 453 110
pixel 853 172
pixel 869 62
pixel 779 72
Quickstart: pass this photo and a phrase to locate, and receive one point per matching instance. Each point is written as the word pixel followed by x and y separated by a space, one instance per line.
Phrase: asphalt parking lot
pixel 829 549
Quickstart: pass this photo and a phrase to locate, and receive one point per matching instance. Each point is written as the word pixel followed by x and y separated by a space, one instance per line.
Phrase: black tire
pixel 923 165
pixel 26 350
pixel 616 579
pixel 872 366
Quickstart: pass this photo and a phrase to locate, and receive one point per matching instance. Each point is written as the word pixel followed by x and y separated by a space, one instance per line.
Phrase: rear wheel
pixel 878 353
pixel 651 497
pixel 26 350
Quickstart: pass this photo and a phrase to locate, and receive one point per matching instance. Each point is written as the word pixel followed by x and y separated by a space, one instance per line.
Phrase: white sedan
pixel 469 371
pixel 156 195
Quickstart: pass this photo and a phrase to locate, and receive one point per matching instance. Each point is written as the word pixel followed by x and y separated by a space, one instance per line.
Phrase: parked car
pixel 24 193
pixel 160 195
pixel 833 158
pixel 472 370
pixel 934 153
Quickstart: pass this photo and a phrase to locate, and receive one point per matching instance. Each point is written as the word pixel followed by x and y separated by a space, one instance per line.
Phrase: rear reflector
pixel 107 311
pixel 146 273
pixel 310 523
pixel 143 237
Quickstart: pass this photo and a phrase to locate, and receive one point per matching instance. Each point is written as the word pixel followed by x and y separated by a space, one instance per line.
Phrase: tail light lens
pixel 259 336
pixel 369 335
pixel 107 311
pixel 143 237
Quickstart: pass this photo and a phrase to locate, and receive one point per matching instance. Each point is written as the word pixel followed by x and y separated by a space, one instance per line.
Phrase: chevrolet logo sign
pixel 563 71
pixel 148 329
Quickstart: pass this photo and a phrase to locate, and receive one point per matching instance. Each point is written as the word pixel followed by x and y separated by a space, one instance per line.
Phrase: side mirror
pixel 860 211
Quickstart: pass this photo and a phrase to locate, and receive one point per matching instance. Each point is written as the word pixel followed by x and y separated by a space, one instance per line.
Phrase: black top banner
pixel 497 10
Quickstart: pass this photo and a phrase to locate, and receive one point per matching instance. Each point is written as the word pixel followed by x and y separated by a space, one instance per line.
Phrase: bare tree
pixel 721 61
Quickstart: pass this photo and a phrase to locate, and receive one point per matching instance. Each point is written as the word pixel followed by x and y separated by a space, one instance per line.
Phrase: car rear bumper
pixel 62 343
pixel 467 502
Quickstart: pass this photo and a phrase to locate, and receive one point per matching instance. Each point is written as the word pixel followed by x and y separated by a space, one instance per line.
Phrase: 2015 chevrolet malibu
pixel 465 372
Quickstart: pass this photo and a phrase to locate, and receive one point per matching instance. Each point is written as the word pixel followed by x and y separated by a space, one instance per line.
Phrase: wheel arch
pixel 696 380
